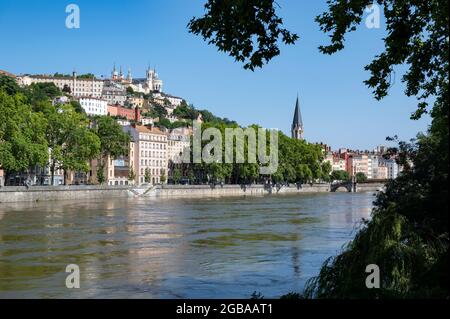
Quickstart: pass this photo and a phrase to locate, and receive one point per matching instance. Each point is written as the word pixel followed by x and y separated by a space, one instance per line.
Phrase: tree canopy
pixel 299 161
pixel 417 37
pixel 340 176
pixel 407 236
pixel 72 143
pixel 35 132
pixel 249 30
pixel 22 134
pixel 114 142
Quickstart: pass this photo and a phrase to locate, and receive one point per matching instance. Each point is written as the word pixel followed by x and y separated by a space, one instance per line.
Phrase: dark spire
pixel 297 122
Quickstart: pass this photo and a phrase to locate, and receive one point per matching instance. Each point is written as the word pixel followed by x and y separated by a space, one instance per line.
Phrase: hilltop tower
pixel 153 83
pixel 297 123
pixel 121 74
pixel 114 73
pixel 129 77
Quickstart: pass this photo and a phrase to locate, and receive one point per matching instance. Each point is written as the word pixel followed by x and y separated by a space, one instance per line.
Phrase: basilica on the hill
pixel 151 82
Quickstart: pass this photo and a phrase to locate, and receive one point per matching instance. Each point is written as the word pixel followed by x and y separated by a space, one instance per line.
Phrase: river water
pixel 174 248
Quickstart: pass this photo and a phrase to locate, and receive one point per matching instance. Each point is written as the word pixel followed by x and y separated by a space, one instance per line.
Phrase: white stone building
pixel 148 121
pixel 78 86
pixel 174 101
pixel 393 168
pixel 94 106
pixel 380 172
pixel 114 93
pixel 178 141
pixel 339 164
pixel 359 163
pixel 150 84
pixel 153 83
pixel 118 170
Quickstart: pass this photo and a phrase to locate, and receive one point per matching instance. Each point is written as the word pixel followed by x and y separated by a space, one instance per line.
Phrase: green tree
pixel 114 142
pixel 304 173
pixel 249 31
pixel 70 140
pixel 340 176
pixel 361 177
pixel 130 91
pixel 60 75
pixel 177 175
pixel 407 236
pixel 163 177
pixel 101 178
pixel 158 111
pixel 66 89
pixel 77 107
pixel 22 134
pixel 86 76
pixel 185 111
pixel 147 175
pixel 9 85
pixel 165 123
pixel 208 117
pixel 131 174
pixel 326 171
pixel 191 176
pixel 45 91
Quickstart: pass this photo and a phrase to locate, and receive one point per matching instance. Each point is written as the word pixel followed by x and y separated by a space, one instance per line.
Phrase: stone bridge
pixel 350 186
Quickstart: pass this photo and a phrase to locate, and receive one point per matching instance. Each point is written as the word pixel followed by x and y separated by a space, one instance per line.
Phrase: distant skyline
pixel 337 108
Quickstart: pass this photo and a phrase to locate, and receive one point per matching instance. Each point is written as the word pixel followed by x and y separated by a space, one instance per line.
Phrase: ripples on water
pixel 174 248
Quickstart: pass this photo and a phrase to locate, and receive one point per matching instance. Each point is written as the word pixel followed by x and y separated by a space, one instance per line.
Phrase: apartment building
pixel 94 106
pixel 75 86
pixel 358 163
pixel 178 143
pixel 150 154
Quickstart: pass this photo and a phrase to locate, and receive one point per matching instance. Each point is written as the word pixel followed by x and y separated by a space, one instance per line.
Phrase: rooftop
pixel 2 72
pixel 46 76
pixel 145 129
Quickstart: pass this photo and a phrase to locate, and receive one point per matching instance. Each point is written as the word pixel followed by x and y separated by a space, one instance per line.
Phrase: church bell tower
pixel 297 123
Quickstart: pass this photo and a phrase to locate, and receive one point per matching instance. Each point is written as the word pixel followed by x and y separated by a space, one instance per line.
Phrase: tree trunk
pixel 6 178
pixel 52 172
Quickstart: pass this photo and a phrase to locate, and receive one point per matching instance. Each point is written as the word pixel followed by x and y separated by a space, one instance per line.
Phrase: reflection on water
pixel 184 248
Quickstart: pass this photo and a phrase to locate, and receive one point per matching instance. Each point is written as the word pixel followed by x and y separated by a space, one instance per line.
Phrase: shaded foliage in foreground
pixel 407 236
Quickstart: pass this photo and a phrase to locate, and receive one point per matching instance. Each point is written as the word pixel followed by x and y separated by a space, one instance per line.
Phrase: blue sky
pixel 336 106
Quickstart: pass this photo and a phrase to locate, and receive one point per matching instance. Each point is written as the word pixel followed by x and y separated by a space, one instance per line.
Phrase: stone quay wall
pixel 55 193
pixel 230 190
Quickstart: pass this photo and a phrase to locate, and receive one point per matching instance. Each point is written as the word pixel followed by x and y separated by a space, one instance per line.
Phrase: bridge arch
pixel 346 185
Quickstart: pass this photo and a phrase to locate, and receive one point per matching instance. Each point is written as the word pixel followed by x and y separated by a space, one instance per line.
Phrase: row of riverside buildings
pixel 373 164
pixel 153 152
